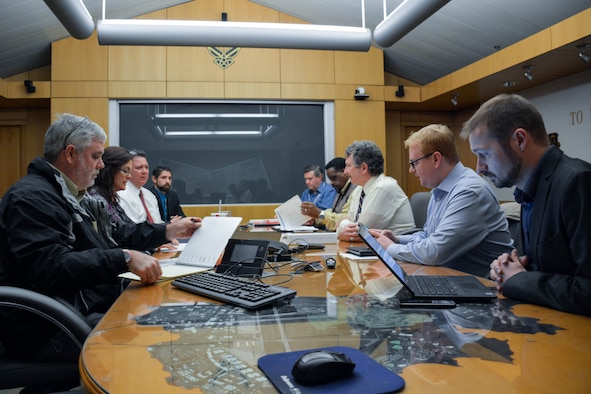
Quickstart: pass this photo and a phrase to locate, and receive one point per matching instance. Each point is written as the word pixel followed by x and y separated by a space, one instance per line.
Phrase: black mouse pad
pixel 369 376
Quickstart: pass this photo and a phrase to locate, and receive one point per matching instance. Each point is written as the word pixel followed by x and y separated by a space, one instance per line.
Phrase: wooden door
pixel 10 156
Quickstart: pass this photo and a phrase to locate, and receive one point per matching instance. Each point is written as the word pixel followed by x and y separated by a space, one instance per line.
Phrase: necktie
pixel 360 205
pixel 150 220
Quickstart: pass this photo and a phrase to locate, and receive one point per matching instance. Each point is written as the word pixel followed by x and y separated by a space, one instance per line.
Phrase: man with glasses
pixel 49 242
pixel 466 227
pixel 379 202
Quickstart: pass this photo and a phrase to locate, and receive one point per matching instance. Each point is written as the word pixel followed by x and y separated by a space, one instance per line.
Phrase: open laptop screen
pixel 382 253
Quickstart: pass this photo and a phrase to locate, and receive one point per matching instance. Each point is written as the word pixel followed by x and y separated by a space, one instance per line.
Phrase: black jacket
pixel 48 244
pixel 173 204
pixel 560 239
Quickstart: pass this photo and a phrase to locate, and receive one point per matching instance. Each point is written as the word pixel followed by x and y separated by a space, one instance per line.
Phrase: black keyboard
pixel 431 285
pixel 233 290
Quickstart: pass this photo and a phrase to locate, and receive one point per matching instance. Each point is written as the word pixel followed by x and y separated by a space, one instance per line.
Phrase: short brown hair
pixel 436 138
pixel 505 113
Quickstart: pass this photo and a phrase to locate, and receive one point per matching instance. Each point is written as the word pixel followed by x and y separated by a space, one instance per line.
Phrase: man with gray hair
pixel 49 244
pixel 379 202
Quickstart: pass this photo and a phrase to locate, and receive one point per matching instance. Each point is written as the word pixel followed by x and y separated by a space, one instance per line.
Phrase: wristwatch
pixel 127 256
pixel 321 216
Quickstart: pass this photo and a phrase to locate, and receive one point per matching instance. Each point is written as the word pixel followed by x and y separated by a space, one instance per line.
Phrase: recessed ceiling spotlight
pixel 454 99
pixel 508 84
pixel 583 52
pixel 528 73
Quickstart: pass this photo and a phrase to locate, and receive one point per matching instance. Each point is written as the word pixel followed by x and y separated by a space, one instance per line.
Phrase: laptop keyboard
pixel 431 285
pixel 233 290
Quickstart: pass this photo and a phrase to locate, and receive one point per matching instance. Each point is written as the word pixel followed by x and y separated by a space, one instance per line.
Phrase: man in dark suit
pixel 508 136
pixel 168 201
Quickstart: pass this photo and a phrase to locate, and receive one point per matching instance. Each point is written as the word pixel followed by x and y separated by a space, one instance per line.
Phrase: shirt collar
pixel 71 186
pixel 528 194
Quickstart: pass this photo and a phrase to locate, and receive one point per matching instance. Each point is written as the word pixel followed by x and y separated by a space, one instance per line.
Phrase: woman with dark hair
pixel 111 179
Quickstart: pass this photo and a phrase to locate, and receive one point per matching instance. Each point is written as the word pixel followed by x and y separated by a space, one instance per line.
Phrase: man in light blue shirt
pixel 318 192
pixel 466 228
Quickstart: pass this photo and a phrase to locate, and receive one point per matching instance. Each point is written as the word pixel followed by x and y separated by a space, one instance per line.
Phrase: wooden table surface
pixel 159 339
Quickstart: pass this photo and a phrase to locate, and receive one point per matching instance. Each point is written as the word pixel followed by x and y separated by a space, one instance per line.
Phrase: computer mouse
pixel 322 366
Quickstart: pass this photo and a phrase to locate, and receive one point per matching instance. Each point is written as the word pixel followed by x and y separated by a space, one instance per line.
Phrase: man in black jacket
pixel 168 201
pixel 48 241
pixel 508 136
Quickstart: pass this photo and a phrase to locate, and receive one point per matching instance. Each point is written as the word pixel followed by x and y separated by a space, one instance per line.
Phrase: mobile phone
pixel 428 304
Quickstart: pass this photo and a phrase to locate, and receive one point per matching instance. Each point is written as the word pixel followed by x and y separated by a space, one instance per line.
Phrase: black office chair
pixel 35 376
pixel 419 203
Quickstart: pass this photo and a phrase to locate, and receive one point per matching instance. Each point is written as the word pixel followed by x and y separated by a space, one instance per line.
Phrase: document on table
pixel 290 216
pixel 203 250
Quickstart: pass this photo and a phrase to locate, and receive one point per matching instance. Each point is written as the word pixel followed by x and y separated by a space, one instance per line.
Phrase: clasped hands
pixel 505 266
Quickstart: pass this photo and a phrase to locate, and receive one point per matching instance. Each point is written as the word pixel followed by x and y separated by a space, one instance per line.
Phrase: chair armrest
pixel 64 316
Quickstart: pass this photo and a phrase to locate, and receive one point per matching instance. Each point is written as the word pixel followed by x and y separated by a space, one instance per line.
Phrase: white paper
pixel 209 241
pixel 202 251
pixel 290 215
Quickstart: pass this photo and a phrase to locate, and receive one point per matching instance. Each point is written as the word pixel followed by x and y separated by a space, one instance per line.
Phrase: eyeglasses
pixel 125 171
pixel 73 130
pixel 415 161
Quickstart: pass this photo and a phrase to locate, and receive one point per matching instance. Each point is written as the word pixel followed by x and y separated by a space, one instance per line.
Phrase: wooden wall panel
pixel 307 66
pixel 79 89
pixel 132 63
pixel 192 64
pixel 97 109
pixel 254 65
pixel 572 29
pixel 136 89
pixel 10 148
pixel 359 67
pixel 359 120
pixel 248 90
pixel 306 91
pixel 78 60
pixel 190 90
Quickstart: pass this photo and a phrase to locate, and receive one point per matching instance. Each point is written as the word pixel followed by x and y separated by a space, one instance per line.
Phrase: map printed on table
pixel 218 345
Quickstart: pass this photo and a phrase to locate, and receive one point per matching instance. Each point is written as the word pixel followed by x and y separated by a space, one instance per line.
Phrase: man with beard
pixel 49 242
pixel 509 138
pixel 168 200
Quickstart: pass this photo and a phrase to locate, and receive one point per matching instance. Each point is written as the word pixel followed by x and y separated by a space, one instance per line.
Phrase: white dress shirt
pixel 133 207
pixel 385 206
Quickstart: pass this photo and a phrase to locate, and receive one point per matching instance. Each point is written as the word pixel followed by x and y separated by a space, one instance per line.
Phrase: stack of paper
pixel 290 216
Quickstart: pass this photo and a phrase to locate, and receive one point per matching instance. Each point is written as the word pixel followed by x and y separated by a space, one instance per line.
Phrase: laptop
pixel 244 257
pixel 457 288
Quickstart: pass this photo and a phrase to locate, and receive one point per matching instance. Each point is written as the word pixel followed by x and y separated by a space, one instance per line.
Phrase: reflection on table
pixel 161 339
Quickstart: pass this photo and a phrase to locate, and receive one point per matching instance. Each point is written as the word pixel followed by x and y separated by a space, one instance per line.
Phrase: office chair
pixel 419 203
pixel 35 376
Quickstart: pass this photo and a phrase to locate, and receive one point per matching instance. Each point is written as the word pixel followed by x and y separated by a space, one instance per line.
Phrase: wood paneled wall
pixel 86 75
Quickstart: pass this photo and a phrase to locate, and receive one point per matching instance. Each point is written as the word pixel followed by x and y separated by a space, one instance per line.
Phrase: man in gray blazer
pixel 508 136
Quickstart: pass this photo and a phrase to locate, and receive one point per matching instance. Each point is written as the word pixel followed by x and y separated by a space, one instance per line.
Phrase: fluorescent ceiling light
pixel 232 34
pixel 195 132
pixel 214 116
pixel 74 16
pixel 403 19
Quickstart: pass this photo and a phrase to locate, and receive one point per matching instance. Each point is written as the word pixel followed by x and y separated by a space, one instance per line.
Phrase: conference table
pixel 160 339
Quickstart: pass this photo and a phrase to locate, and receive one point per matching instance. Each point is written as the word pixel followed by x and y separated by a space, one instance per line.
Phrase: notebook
pixel 462 288
pixel 244 257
